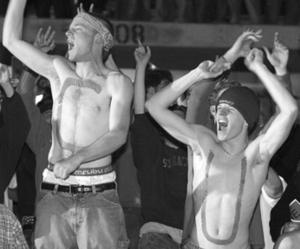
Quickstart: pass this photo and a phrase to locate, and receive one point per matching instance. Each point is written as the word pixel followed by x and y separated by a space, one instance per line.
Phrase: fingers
pixel 80 8
pixel 139 42
pixel 267 52
pixel 47 32
pixel 278 43
pixel 148 50
pixel 253 35
pixel 52 45
pixel 91 8
pixel 38 34
pixel 50 39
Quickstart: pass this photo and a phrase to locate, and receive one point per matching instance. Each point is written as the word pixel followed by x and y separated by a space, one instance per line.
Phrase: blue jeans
pixel 157 241
pixel 86 221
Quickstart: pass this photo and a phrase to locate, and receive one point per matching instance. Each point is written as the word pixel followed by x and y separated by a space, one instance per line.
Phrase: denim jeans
pixel 86 221
pixel 157 241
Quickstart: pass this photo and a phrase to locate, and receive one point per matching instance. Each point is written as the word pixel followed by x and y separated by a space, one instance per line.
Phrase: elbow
pixel 5 42
pixel 150 106
pixel 291 111
pixel 294 112
pixel 121 137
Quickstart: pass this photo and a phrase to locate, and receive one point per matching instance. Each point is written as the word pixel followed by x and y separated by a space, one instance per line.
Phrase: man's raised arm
pixel 24 51
pixel 159 103
pixel 288 110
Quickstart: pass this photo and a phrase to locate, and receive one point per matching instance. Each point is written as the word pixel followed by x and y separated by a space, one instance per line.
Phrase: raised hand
pixel 5 80
pixel 81 9
pixel 254 58
pixel 207 69
pixel 142 55
pixel 45 42
pixel 4 74
pixel 242 45
pixel 280 54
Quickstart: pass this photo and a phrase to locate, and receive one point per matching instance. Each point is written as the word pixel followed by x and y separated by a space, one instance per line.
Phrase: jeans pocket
pixel 110 196
pixel 46 194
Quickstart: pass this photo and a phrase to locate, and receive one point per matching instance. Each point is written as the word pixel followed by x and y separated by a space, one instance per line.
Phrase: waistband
pixel 90 171
pixel 78 189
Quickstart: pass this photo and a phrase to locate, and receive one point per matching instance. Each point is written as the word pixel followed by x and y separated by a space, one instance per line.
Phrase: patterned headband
pixel 99 27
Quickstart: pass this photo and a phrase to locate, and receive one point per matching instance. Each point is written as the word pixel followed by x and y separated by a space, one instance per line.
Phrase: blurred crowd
pixel 183 11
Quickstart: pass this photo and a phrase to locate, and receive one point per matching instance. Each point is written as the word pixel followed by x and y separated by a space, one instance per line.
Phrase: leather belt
pixel 77 189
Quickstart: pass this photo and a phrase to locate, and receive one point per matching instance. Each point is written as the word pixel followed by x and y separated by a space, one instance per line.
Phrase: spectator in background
pixel 26 192
pixel 161 162
pixel 166 10
pixel 14 127
pixel 62 8
pixel 285 222
pixel 289 8
pixel 235 8
pixel 11 235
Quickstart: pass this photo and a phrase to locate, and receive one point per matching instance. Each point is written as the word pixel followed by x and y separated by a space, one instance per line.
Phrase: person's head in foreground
pixel 90 36
pixel 237 111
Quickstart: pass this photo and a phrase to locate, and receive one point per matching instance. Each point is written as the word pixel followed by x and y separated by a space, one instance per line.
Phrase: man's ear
pixel 98 38
pixel 212 110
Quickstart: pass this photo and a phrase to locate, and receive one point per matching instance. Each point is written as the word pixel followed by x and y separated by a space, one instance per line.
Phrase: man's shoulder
pixel 118 77
pixel 118 82
pixel 62 61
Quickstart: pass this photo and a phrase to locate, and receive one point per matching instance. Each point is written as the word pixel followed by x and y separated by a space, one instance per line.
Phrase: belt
pixel 78 189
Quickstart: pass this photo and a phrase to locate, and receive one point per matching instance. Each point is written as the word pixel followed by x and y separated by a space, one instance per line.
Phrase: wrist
pixel 280 71
pixel 229 57
pixel 198 75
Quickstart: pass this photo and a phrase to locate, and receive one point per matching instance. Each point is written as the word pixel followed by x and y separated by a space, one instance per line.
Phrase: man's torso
pixel 80 113
pixel 225 189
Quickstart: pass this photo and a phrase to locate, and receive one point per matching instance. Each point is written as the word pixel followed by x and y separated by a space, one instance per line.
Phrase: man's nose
pixel 68 33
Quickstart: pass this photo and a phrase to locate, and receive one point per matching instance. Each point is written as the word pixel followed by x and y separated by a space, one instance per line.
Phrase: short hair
pixel 223 84
pixel 153 77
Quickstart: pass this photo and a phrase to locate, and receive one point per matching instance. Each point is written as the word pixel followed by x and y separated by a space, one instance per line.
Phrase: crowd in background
pixel 183 11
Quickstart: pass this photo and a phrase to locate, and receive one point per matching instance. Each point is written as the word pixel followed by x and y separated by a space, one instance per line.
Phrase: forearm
pixel 139 89
pixel 285 80
pixel 13 23
pixel 169 94
pixel 273 185
pixel 198 106
pixel 102 147
pixel 278 92
pixel 8 89
pixel 26 86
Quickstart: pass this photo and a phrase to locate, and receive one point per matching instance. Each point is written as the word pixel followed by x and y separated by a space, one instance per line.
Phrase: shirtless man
pixel 90 120
pixel 228 170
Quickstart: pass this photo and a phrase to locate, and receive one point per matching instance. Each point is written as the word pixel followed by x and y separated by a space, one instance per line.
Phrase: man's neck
pixel 235 146
pixel 90 69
